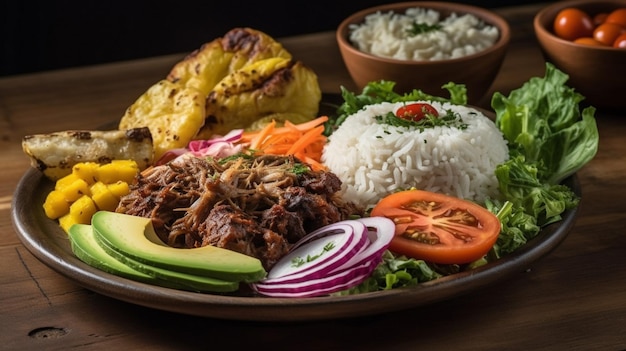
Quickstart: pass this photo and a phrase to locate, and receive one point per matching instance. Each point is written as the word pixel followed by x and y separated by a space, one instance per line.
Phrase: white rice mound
pixel 387 35
pixel 374 160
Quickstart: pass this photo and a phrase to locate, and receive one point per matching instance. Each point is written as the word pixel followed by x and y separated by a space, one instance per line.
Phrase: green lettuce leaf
pixel 542 120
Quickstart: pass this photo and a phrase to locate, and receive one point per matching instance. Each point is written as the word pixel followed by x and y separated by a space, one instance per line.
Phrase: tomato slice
pixel 438 228
pixel 417 111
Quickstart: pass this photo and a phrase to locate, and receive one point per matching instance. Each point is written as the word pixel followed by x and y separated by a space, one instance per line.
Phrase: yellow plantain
pixel 206 66
pixel 173 113
pixel 56 153
pixel 271 86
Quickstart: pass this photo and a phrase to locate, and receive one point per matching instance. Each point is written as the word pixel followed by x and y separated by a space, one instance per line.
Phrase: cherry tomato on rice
pixel 606 33
pixel 572 23
pixel 417 111
pixel 438 228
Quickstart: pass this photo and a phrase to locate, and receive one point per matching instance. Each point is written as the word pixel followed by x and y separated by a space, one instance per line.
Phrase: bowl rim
pixel 540 26
pixel 491 18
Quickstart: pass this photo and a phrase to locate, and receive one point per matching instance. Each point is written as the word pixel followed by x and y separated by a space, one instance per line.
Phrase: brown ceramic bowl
pixel 594 71
pixel 476 71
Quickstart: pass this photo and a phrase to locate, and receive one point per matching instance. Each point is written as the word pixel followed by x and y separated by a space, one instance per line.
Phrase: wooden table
pixel 574 298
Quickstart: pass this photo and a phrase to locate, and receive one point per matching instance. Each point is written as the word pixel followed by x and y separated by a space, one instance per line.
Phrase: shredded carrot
pixel 305 140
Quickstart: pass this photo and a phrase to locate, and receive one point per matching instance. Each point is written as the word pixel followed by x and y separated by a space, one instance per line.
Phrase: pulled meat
pixel 258 206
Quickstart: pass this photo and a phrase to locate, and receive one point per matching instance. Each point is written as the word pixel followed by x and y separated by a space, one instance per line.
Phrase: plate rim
pixel 51 249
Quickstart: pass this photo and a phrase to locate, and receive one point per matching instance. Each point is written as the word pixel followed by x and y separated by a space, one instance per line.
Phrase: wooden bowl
pixel 476 71
pixel 594 71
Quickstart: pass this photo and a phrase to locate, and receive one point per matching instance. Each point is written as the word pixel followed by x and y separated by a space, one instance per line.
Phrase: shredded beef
pixel 258 206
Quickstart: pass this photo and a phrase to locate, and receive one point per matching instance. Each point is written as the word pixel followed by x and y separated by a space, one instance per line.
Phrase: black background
pixel 43 35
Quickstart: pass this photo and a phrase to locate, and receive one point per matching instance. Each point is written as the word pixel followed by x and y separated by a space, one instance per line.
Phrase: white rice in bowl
pixel 374 160
pixel 389 35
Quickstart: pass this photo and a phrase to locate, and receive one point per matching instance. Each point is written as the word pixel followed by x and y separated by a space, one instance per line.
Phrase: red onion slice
pixel 319 287
pixel 323 252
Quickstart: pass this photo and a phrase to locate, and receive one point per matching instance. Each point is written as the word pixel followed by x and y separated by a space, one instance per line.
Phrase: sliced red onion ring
pixel 319 287
pixel 380 232
pixel 353 268
pixel 218 146
pixel 323 252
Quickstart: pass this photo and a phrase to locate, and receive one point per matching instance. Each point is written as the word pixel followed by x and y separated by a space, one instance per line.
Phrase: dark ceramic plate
pixel 47 241
pixel 50 244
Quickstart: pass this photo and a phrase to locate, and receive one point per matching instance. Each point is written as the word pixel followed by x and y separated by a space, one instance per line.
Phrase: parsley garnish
pixel 420 28
pixel 450 119
pixel 300 168
pixel 299 261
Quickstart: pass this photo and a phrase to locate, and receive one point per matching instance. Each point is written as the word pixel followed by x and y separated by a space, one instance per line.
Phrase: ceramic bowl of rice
pixel 374 159
pixel 424 45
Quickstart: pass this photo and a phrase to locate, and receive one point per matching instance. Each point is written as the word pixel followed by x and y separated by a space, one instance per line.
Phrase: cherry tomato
pixel 415 112
pixel 588 41
pixel 599 18
pixel 438 228
pixel 618 17
pixel 606 33
pixel 572 23
pixel 620 42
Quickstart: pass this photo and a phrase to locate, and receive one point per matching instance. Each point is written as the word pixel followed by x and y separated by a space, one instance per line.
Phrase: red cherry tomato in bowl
pixel 417 111
pixel 606 33
pixel 617 16
pixel 620 42
pixel 588 41
pixel 572 23
pixel 438 228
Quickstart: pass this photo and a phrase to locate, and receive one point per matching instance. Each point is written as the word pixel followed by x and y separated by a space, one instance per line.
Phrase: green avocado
pixel 134 237
pixel 86 248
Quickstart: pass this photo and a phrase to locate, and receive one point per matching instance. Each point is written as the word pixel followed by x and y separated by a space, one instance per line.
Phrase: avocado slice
pixel 86 248
pixel 134 237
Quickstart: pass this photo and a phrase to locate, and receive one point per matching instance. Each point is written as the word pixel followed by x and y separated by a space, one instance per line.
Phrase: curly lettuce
pixel 549 139
pixel 543 122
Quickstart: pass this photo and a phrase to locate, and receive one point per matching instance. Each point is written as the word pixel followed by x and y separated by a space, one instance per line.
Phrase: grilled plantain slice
pixel 206 66
pixel 174 113
pixel 266 87
pixel 55 154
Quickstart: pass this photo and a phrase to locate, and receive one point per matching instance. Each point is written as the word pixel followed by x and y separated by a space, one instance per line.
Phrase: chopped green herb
pixel 300 168
pixel 420 28
pixel 299 261
pixel 450 119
